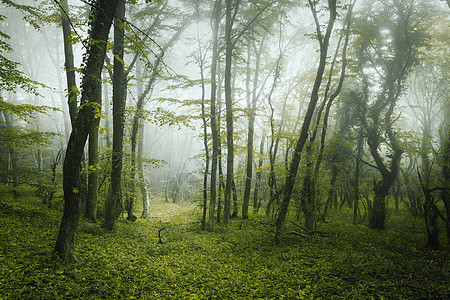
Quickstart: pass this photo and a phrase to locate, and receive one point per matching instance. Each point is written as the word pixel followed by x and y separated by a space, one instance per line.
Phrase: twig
pixel 159 235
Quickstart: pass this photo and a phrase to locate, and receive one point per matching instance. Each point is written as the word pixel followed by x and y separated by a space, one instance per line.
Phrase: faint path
pixel 173 212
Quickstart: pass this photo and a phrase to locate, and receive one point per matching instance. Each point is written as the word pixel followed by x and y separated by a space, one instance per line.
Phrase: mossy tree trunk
pixel 100 23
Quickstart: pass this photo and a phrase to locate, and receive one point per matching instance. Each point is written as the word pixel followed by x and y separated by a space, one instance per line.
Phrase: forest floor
pixel 240 262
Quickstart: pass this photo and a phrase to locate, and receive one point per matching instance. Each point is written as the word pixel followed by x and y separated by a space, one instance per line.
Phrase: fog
pixel 282 33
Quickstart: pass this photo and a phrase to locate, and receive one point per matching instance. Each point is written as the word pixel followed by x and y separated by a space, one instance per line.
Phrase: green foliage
pixel 10 76
pixel 347 262
pixel 25 111
pixel 161 116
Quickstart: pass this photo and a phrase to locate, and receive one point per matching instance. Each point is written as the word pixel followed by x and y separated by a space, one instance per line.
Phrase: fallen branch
pixel 298 234
pixel 309 231
pixel 187 223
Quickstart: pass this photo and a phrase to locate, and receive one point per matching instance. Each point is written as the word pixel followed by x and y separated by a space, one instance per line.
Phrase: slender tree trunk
pixel 307 199
pixel 139 106
pixel 205 145
pixel 256 201
pixel 445 194
pixel 72 93
pixel 143 184
pixel 100 24
pixel 114 202
pixel 251 121
pixel 215 137
pixel 273 149
pixel 12 159
pixel 221 185
pixel 107 116
pixel 235 200
pixel 69 64
pixel 229 110
pixel 92 193
pixel 356 181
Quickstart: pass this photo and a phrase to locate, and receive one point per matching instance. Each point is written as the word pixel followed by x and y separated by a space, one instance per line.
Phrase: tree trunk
pixel 205 145
pixel 431 215
pixel 107 116
pixel 445 194
pixel 114 202
pixel 92 192
pixel 308 201
pixel 100 23
pixel 229 111
pixel 221 186
pixel 251 122
pixel 332 189
pixel 256 201
pixel 143 184
pixel 12 157
pixel 69 64
pixel 377 215
pixel 357 174
pixel 215 137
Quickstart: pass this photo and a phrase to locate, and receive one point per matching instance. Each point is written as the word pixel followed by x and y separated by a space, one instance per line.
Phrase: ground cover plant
pixel 169 257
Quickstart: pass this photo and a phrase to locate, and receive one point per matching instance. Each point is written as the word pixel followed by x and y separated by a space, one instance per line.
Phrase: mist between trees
pixel 270 110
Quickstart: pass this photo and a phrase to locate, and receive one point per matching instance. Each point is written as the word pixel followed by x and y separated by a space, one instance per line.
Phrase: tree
pixel 100 22
pixel 308 193
pixel 69 64
pixel 229 107
pixel 92 189
pixel 391 50
pixel 295 161
pixel 214 132
pixel 142 100
pixel 114 201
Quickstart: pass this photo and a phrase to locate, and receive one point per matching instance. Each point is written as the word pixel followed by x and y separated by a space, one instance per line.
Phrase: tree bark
pixel 92 192
pixel 205 141
pixel 69 64
pixel 113 203
pixel 214 134
pixel 256 201
pixel 143 184
pixel 100 23
pixel 229 111
pixel 445 194
pixel 251 128
pixel 359 152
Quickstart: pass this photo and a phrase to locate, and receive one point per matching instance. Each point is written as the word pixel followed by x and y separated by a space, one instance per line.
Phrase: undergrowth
pixel 240 262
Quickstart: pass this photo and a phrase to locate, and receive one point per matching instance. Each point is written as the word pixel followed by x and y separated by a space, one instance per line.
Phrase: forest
pixel 230 149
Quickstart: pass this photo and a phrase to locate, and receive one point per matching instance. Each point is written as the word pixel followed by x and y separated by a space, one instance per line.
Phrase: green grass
pixel 240 262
